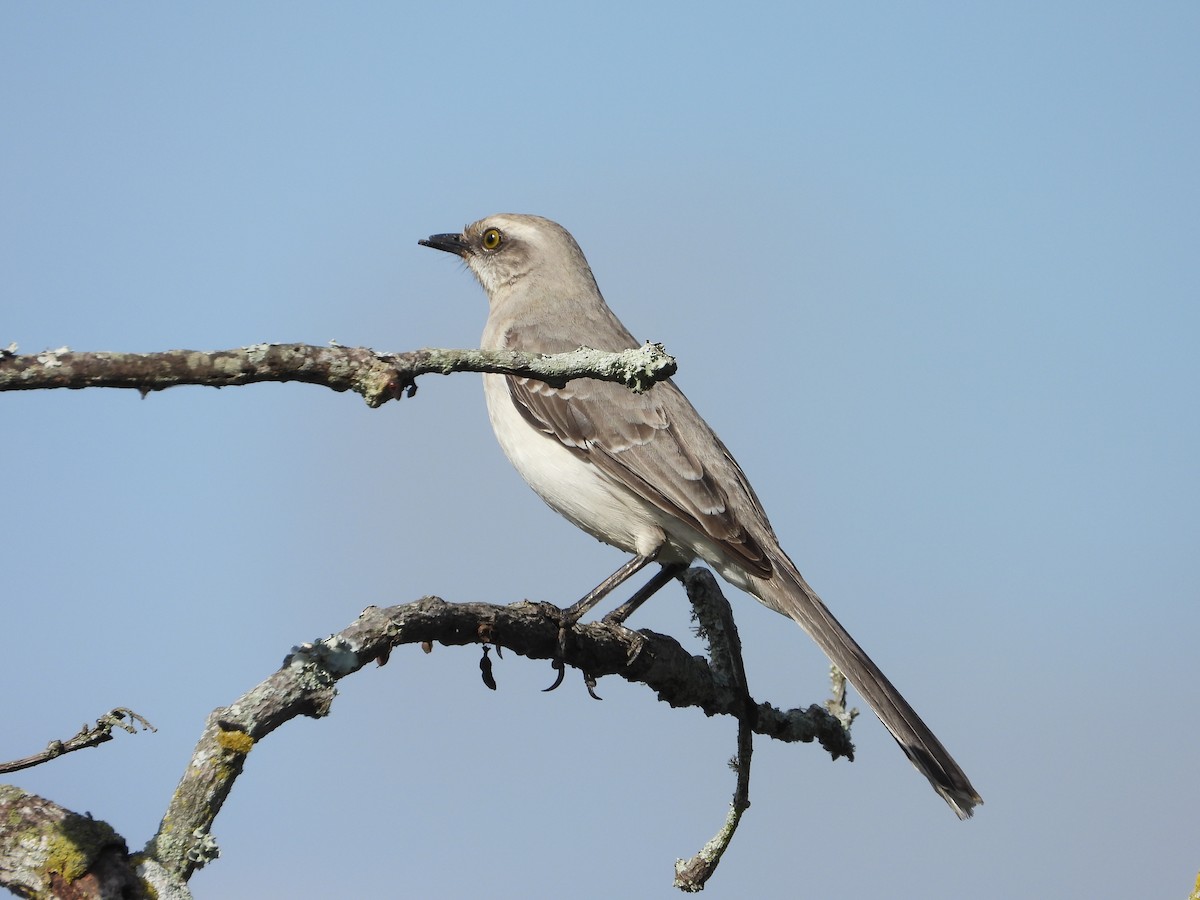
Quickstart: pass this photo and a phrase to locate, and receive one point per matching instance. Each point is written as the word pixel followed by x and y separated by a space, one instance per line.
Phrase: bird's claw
pixel 565 624
pixel 561 668
pixel 560 652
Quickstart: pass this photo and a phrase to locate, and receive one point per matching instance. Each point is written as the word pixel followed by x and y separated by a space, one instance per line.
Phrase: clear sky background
pixel 931 272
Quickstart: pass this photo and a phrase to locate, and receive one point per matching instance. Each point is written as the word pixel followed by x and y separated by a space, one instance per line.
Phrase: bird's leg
pixel 648 590
pixel 574 613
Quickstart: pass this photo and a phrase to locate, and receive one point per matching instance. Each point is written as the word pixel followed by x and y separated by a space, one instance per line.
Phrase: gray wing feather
pixel 635 439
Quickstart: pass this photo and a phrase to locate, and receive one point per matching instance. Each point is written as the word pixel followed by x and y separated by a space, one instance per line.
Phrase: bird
pixel 644 472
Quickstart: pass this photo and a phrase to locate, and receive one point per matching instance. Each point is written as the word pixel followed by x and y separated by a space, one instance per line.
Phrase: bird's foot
pixel 566 619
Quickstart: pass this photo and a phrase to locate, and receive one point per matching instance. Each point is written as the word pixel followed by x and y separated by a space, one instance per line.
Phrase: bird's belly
pixel 568 483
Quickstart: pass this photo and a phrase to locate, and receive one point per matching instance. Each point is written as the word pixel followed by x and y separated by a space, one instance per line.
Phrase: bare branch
pixel 378 377
pixel 305 686
pixel 88 736
pixel 725 650
pixel 836 704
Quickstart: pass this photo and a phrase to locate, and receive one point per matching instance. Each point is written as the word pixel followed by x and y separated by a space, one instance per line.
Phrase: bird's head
pixel 508 249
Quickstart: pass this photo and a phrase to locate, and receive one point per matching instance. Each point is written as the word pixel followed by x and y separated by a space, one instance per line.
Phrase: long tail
pixel 790 594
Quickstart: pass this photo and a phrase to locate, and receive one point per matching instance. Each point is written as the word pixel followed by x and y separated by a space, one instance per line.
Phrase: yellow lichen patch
pixel 235 741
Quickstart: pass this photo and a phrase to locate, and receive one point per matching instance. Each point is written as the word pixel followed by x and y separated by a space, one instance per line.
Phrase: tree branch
pixel 48 851
pixel 305 686
pixel 725 650
pixel 378 377
pixel 88 736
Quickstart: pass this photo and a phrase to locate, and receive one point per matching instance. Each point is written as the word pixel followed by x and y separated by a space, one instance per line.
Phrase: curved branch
pixel 305 686
pixel 378 377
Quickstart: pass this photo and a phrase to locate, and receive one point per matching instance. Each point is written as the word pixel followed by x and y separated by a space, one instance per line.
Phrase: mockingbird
pixel 643 472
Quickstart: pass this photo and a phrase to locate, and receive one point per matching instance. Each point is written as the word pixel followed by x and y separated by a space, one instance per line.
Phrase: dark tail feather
pixel 788 592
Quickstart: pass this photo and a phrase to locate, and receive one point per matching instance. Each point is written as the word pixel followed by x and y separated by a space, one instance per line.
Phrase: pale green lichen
pixel 71 851
pixel 66 857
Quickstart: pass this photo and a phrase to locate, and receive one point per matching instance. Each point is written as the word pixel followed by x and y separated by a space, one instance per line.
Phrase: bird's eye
pixel 491 239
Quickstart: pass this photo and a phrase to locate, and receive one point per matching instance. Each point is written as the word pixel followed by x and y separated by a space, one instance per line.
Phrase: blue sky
pixel 930 271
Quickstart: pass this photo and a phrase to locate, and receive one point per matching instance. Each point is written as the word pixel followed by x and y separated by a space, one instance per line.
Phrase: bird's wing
pixel 636 440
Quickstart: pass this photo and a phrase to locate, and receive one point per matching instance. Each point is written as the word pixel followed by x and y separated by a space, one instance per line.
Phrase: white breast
pixel 570 485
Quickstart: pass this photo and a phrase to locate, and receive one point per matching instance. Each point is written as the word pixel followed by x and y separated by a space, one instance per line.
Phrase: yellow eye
pixel 491 239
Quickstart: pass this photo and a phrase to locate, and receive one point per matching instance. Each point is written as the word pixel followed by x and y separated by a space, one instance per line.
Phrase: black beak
pixel 451 243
